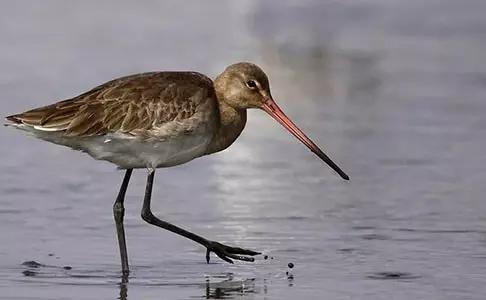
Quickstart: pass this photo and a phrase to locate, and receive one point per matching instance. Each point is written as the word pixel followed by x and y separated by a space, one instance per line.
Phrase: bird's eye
pixel 251 84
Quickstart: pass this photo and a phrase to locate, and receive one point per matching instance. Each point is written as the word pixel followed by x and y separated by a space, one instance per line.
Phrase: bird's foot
pixel 228 253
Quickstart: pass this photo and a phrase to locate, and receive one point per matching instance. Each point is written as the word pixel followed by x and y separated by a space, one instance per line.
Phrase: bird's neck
pixel 231 124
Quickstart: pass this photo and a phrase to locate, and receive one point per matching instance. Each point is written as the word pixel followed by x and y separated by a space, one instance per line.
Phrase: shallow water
pixel 393 90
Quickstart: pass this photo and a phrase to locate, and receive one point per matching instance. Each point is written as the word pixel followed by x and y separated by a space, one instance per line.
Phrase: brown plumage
pixel 133 104
pixel 161 107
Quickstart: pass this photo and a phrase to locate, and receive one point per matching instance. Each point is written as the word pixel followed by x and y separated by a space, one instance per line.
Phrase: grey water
pixel 394 91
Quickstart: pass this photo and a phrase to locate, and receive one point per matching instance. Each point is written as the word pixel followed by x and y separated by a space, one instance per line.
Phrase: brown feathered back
pixel 128 104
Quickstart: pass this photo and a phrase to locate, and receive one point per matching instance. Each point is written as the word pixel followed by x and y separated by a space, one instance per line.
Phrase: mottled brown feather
pixel 129 104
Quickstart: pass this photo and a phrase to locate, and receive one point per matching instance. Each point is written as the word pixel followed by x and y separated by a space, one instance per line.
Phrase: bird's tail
pixel 12 120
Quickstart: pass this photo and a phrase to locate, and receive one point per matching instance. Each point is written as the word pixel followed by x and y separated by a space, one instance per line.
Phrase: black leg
pixel 119 213
pixel 123 287
pixel 222 251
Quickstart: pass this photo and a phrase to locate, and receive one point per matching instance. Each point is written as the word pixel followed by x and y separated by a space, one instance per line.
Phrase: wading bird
pixel 157 120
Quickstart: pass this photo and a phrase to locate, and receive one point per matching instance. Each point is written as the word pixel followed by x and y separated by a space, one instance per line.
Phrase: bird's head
pixel 244 85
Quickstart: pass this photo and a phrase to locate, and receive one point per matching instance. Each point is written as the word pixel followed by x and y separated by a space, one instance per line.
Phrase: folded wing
pixel 134 104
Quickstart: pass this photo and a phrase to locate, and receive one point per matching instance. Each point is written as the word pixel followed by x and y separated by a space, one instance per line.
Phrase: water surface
pixel 394 91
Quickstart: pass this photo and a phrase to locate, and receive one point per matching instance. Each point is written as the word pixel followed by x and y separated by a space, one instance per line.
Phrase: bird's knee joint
pixel 118 210
pixel 118 207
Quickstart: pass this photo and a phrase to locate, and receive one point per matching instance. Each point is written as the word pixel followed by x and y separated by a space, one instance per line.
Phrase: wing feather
pixel 136 103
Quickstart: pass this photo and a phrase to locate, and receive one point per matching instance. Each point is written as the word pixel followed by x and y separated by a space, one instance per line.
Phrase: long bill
pixel 275 112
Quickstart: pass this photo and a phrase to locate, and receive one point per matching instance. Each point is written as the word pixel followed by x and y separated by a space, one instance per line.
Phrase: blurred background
pixel 394 91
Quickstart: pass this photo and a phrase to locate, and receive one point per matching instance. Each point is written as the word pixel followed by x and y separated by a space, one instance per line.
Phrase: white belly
pixel 128 152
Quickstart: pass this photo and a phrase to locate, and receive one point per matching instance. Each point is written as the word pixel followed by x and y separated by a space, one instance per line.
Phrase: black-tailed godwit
pixel 161 119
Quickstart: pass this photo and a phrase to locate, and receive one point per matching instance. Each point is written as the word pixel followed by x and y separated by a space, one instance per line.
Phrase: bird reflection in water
pixel 229 288
pixel 226 289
